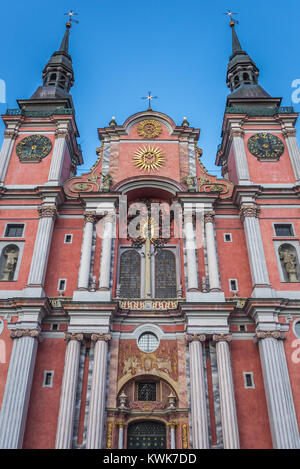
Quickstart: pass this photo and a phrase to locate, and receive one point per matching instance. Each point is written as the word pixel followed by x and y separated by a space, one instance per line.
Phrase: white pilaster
pixel 106 251
pixel 198 395
pixel 95 427
pixel 58 155
pixel 18 387
pixel 173 436
pixel 42 246
pixel 280 402
pixel 190 246
pixel 9 139
pixel 121 436
pixel 294 152
pixel 226 388
pixel 86 251
pixel 64 432
pixel 240 156
pixel 213 270
pixel 256 254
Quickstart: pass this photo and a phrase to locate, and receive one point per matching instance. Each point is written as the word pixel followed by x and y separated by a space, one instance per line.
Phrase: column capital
pixel 198 337
pixel 90 217
pixel 209 217
pixel 61 133
pixel 237 133
pixel 289 133
pixel 74 336
pixel 47 211
pixel 19 333
pixel 278 335
pixel 249 211
pixel 97 337
pixel 10 133
pixel 222 338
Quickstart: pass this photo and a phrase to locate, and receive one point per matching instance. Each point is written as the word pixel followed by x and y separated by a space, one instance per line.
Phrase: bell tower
pixel 40 145
pixel 258 145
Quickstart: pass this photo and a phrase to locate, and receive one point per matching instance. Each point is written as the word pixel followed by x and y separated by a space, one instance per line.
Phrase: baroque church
pixel 148 304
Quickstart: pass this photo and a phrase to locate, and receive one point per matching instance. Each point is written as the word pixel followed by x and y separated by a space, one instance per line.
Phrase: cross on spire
pixel 149 97
pixel 71 19
pixel 230 14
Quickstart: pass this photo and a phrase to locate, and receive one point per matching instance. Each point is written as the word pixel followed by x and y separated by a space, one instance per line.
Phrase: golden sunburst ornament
pixel 149 159
pixel 149 128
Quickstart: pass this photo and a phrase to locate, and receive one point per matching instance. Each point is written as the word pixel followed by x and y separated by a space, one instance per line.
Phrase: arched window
pixel 8 262
pixel 246 78
pixel 165 274
pixel 52 79
pixel 130 274
pixel 62 80
pixel 236 81
pixel 289 263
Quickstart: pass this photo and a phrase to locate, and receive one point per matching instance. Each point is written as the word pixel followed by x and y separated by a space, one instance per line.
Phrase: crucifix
pixel 71 19
pixel 149 97
pixel 229 13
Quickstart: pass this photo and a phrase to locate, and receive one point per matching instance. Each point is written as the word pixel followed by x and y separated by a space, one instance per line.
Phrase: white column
pixel 190 246
pixel 9 139
pixel 172 436
pixel 121 436
pixel 95 427
pixel 226 389
pixel 18 387
pixel 280 402
pixel 57 156
pixel 294 152
pixel 240 156
pixel 213 270
pixel 256 254
pixel 42 246
pixel 106 251
pixel 86 251
pixel 64 432
pixel 198 395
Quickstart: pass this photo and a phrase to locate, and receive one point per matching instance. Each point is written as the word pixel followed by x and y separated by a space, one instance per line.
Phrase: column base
pixel 84 295
pixel 211 297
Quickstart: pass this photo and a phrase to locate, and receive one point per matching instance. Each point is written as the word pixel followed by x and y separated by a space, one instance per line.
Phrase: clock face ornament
pixel 266 146
pixel 33 148
pixel 149 159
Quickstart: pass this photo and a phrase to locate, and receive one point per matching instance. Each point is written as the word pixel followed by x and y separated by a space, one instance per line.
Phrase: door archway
pixel 148 434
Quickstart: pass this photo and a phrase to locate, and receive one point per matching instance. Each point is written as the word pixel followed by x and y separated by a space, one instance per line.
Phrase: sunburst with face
pixel 149 159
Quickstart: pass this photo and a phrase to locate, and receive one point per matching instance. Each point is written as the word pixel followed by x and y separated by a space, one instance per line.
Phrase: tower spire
pixel 58 74
pixel 236 45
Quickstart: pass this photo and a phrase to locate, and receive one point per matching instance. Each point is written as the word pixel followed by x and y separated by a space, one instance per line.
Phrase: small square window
pixel 284 230
pixel 62 284
pixel 242 328
pixel 54 327
pixel 233 285
pixel 48 379
pixel 146 391
pixel 227 237
pixel 248 380
pixel 14 231
pixel 68 238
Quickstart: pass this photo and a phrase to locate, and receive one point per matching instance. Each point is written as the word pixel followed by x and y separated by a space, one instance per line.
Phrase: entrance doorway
pixel 146 435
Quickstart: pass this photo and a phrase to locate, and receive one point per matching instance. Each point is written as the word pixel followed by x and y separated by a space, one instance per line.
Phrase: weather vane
pixel 149 97
pixel 233 21
pixel 71 19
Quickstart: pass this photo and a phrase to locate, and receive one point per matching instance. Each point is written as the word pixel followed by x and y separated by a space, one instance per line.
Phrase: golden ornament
pixel 149 129
pixel 149 159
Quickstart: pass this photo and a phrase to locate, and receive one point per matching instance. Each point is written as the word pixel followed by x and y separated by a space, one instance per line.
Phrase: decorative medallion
pixel 266 146
pixel 149 129
pixel 33 148
pixel 149 159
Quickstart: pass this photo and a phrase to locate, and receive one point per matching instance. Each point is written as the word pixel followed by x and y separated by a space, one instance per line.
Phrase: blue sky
pixel 122 49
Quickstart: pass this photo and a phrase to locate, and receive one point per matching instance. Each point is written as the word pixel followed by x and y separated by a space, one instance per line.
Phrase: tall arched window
pixel 52 79
pixel 8 262
pixel 130 274
pixel 165 274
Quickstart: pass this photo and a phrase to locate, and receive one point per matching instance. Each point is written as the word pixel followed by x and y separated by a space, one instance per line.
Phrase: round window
pixel 148 342
pixel 297 329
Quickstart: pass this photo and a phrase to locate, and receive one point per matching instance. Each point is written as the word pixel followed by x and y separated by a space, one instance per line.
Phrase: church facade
pixel 148 304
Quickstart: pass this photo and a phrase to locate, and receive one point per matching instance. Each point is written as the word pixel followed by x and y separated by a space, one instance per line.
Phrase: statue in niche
pixel 106 182
pixel 10 254
pixel 289 261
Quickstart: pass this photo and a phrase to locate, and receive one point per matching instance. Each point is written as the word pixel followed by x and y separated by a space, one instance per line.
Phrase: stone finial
pixel 185 122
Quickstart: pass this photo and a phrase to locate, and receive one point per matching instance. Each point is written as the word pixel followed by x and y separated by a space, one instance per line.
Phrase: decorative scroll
pixel 89 182
pixel 153 305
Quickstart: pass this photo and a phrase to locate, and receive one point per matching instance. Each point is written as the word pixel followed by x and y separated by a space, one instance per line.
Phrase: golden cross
pixel 149 97
pixel 229 13
pixel 71 19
